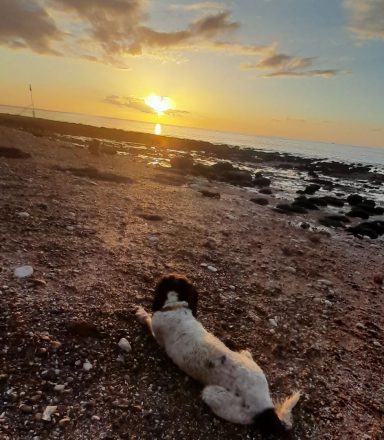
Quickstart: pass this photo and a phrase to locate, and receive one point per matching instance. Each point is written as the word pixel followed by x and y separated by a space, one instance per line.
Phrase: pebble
pixel 377 344
pixel 26 409
pixel 290 269
pixel 212 268
pixel 325 282
pixel 95 418
pixel 64 421
pixel 273 322
pixel 59 388
pixel 23 214
pixel 327 302
pixel 125 345
pixel 49 410
pixel 87 365
pixel 23 271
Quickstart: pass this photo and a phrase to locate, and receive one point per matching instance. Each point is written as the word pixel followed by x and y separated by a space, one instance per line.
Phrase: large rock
pixel 184 163
pixel 260 200
pixel 354 199
pixel 370 229
pixel 261 181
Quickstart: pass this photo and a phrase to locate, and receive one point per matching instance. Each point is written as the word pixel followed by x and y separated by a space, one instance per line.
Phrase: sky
pixel 305 69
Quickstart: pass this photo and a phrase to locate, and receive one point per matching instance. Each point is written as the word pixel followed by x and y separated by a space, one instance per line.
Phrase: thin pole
pixel 33 105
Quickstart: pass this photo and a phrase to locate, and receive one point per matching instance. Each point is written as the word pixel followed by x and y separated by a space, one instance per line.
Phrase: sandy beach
pixel 308 304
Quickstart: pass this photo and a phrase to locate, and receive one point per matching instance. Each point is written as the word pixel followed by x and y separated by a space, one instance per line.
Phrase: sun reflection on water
pixel 157 129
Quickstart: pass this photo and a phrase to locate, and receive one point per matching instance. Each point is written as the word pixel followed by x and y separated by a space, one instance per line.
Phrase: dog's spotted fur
pixel 235 386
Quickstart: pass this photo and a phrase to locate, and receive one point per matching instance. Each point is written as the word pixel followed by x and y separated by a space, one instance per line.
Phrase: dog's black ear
pixel 179 284
pixel 269 424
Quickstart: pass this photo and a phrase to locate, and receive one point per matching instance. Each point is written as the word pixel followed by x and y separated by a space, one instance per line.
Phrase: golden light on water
pixel 159 104
pixel 158 129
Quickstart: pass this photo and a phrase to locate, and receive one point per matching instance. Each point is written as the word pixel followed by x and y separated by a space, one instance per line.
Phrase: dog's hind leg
pixel 226 405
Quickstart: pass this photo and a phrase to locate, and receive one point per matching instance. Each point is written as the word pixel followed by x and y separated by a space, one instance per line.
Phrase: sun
pixel 160 104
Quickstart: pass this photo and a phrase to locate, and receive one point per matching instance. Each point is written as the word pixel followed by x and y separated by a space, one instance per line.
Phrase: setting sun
pixel 159 104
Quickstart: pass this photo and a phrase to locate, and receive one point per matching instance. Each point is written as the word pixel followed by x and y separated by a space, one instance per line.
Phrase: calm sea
pixel 345 153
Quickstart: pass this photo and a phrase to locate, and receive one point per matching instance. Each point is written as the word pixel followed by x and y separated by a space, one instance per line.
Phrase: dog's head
pixel 175 288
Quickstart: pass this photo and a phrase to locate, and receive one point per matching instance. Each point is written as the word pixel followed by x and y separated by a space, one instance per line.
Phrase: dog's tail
pixel 284 409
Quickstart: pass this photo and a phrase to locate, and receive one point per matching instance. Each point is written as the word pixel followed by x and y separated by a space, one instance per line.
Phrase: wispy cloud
pixel 366 18
pixel 198 6
pixel 283 65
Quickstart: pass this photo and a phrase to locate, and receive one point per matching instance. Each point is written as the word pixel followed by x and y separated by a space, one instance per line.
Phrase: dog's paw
pixel 141 315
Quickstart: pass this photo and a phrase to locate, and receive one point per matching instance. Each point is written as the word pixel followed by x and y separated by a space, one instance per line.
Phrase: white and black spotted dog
pixel 235 386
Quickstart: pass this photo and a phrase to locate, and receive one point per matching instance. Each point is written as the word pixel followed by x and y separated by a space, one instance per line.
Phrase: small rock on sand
pixel 23 271
pixel 23 214
pixel 125 345
pixel 47 414
pixel 87 365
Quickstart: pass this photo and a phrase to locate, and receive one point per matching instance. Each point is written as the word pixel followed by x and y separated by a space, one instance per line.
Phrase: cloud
pixel 129 102
pixel 323 73
pixel 242 49
pixel 100 30
pixel 110 31
pixel 366 18
pixel 138 104
pixel 25 24
pixel 283 65
pixel 199 6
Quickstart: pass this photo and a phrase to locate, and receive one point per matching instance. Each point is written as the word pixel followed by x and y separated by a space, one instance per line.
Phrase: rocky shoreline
pixel 245 167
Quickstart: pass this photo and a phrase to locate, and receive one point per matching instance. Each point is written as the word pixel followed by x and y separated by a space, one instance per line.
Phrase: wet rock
pixel 288 209
pixel 369 229
pixel 23 271
pixel 211 194
pixel 222 167
pixel 354 199
pixel 378 279
pixel 237 177
pixel 305 203
pixel 261 181
pixel 333 221
pixel 260 201
pixel 311 189
pixel 359 213
pixel 182 163
pixel 266 191
pixel 13 153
